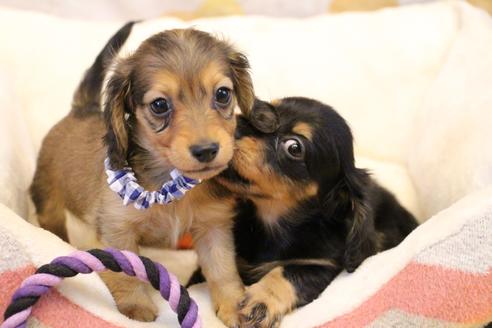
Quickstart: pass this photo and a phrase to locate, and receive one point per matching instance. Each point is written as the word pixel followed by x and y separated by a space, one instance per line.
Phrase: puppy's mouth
pixel 232 179
pixel 205 172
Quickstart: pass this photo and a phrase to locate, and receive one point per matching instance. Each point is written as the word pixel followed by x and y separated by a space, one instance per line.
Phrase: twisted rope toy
pixel 97 260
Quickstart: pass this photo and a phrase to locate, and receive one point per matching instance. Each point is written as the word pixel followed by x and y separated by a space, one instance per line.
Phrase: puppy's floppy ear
pixel 361 235
pixel 243 86
pixel 349 193
pixel 116 106
pixel 264 117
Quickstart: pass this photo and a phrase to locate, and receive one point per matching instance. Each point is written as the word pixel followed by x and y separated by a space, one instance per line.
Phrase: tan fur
pixel 165 82
pixel 304 130
pixel 118 123
pixel 130 296
pixel 273 208
pixel 214 244
pixel 244 85
pixel 277 295
pixel 70 173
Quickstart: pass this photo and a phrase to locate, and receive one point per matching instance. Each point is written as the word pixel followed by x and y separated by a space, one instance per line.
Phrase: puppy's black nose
pixel 205 152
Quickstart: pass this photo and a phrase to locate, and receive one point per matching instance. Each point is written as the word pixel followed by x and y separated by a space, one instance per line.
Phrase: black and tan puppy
pixel 304 211
pixel 168 105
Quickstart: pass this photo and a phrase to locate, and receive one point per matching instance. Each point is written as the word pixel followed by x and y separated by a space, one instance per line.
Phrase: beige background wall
pixel 189 9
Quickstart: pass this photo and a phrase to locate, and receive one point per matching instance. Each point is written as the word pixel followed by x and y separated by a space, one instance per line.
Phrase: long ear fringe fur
pixel 361 234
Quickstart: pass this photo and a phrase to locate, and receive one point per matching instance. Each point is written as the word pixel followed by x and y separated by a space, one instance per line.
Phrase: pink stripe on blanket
pixel 10 281
pixel 53 309
pixel 430 291
pixel 56 311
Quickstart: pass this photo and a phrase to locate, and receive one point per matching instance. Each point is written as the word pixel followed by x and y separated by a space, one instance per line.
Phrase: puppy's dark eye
pixel 293 148
pixel 223 96
pixel 160 106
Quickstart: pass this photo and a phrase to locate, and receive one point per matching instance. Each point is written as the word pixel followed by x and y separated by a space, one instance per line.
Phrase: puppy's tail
pixel 87 97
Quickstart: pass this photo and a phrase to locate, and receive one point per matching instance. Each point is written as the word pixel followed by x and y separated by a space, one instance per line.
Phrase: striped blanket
pixel 440 276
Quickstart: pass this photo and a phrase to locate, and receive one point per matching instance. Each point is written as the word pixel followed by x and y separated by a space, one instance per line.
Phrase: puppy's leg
pixel 281 290
pixel 129 294
pixel 216 257
pixel 53 219
pixel 49 205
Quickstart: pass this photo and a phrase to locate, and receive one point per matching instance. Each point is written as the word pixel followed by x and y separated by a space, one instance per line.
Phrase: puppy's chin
pixel 204 173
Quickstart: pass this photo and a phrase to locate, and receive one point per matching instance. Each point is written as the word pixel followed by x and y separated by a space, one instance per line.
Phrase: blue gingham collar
pixel 125 184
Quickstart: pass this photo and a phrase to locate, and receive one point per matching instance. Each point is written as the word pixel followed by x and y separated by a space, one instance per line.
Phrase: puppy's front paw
pixel 139 311
pixel 267 301
pixel 228 314
pixel 225 301
pixel 130 297
pixel 259 311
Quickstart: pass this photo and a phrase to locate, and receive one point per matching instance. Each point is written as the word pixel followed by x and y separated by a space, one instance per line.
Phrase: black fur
pixel 264 118
pixel 87 98
pixel 349 219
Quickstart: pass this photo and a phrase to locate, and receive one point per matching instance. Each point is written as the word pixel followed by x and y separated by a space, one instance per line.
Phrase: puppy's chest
pixel 159 225
pixel 258 242
pixel 162 225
